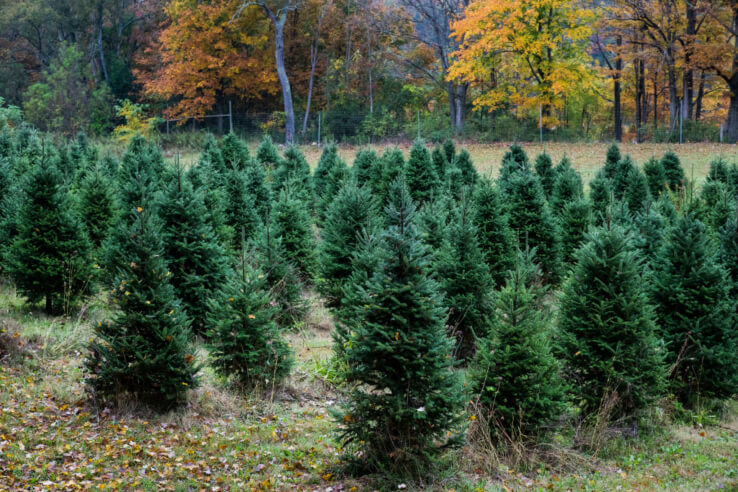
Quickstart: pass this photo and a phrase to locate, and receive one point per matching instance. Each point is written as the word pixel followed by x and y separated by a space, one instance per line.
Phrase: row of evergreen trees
pixel 553 299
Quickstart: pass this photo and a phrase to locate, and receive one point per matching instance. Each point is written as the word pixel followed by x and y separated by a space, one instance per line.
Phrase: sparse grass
pixel 52 439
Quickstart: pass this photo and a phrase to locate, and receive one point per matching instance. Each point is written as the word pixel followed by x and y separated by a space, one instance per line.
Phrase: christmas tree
pixel 143 353
pixel 514 375
pixel 420 176
pixel 465 280
pixel 496 239
pixel 50 256
pixel 97 206
pixel 515 160
pixel 212 158
pixel 636 195
pixel 691 292
pixel 567 186
pixel 292 223
pixel 366 167
pixel 656 176
pixel 295 171
pixel 328 178
pixel 607 330
pixel 245 341
pixel 239 208
pixel 449 150
pixel 197 262
pixel 267 154
pixel 439 162
pixel 545 172
pixel 235 153
pixel 574 220
pixel 405 401
pixel 601 196
pixel 388 169
pixel 673 171
pixel 621 177
pixel 463 163
pixel 432 220
pixel 611 161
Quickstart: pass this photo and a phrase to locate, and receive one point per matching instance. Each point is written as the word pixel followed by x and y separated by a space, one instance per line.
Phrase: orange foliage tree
pixel 206 55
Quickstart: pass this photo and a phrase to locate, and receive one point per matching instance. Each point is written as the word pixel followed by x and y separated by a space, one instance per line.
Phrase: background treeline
pixel 518 303
pixel 375 70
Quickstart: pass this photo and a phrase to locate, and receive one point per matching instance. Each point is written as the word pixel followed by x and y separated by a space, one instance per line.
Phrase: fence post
pixel 230 117
pixel 722 127
pixel 418 124
pixel 540 123
pixel 319 113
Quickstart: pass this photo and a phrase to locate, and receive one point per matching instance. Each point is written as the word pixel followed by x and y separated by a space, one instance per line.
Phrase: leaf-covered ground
pixel 52 439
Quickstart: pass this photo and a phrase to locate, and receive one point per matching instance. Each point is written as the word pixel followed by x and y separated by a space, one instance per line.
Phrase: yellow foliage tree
pixel 527 53
pixel 135 122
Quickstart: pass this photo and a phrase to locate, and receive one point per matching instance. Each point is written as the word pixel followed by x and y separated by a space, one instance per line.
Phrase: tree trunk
pixel 673 99
pixel 313 63
pixel 49 308
pixel 617 111
pixel 284 81
pixel 638 99
pixel 451 103
pixel 688 78
pixel 100 47
pixel 460 102
pixel 731 123
pixel 700 95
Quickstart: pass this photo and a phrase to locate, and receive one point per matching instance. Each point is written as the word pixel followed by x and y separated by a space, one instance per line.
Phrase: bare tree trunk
pixel 688 78
pixel 673 99
pixel 451 103
pixel 639 97
pixel 617 107
pixel 100 47
pixel 460 102
pixel 700 95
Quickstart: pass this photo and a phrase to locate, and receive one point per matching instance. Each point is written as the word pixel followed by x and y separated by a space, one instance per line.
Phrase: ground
pixel 51 438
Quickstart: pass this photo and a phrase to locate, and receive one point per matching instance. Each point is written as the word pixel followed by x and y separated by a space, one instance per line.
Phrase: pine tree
pixel 354 210
pixel 449 150
pixel 143 352
pixel 673 171
pixel 197 261
pixel 329 177
pixel 728 253
pixel 267 154
pixel 514 374
pixel 256 185
pixel 496 239
pixel 432 220
pixel 611 161
pixel 405 398
pixel 656 176
pixel 292 223
pixel 439 162
pixel 464 164
pixel 717 204
pixel 50 256
pixel 515 160
pixel 245 341
pixel 567 187
pixel 140 174
pixel 636 193
pixel 465 280
pixel 607 330
pixel 420 176
pixel 600 194
pixel 294 171
pixel 650 226
pixel 388 169
pixel 622 175
pixel 97 206
pixel 574 220
pixel 239 208
pixel 212 158
pixel 531 218
pixel 366 166
pixel 235 153
pixel 545 172
pixel 9 205
pixel 691 292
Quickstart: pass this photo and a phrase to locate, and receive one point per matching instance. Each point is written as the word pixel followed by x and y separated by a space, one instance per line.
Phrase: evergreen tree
pixel 420 176
pixel 267 154
pixel 636 193
pixel 388 169
pixel 600 194
pixel 650 225
pixel 531 218
pixel 607 330
pixel 719 171
pixel 96 206
pixel 718 204
pixel 256 186
pixel 354 210
pixel 405 397
pixel 567 187
pixel 574 219
pixel 620 180
pixel 50 256
pixel 439 162
pixel 329 177
pixel 656 176
pixel 728 253
pixel 235 153
pixel 432 220
pixel 245 341
pixel 295 171
pixel 673 171
pixel 465 280
pixel 212 158
pixel 140 174
pixel 611 161
pixel 464 164
pixel 514 374
pixel 292 223
pixel 239 208
pixel 449 150
pixel 544 170
pixel 143 352
pixel 196 260
pixel 366 166
pixel 496 239
pixel 9 205
pixel 515 160
pixel 691 292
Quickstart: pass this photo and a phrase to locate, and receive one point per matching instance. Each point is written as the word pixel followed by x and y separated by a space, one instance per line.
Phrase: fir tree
pixel 620 180
pixel 197 261
pixel 531 218
pixel 567 187
pixel 366 166
pixel 449 150
pixel 691 292
pixel 728 253
pixel 600 194
pixel 292 223
pixel 611 161
pixel 354 210
pixel 388 169
pixel 656 176
pixel 574 220
pixel 140 174
pixel 9 205
pixel 432 220
pixel 673 171
pixel 465 280
pixel 329 177
pixel 295 171
pixel 718 204
pixel 239 208
pixel 245 341
pixel 97 206
pixel 464 164
pixel 650 226
pixel 607 330
pixel 143 352
pixel 496 239
pixel 514 375
pixel 515 160
pixel 212 158
pixel 50 256
pixel 439 162
pixel 267 154
pixel 636 193
pixel 545 172
pixel 235 153
pixel 719 171
pixel 256 186
pixel 405 397
pixel 420 176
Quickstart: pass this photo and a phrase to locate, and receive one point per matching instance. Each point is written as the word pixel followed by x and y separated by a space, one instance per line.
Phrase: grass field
pixel 587 158
pixel 51 439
